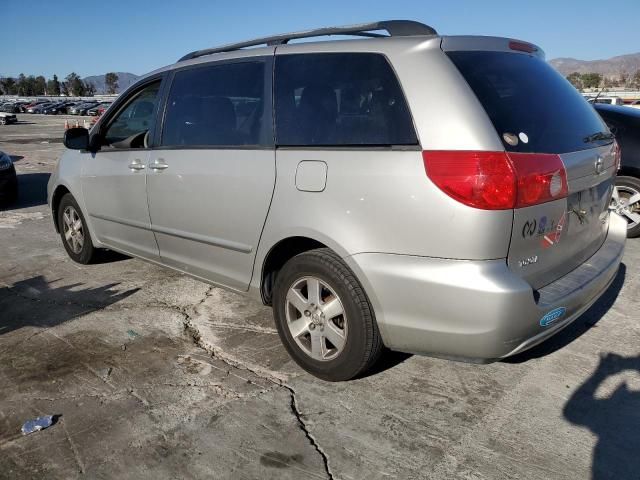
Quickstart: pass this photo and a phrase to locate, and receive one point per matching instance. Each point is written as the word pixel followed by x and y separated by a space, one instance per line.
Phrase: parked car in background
pixel 101 106
pixel 82 108
pixel 7 118
pixel 10 107
pixel 55 109
pixel 8 179
pixel 40 108
pixel 607 100
pixel 471 225
pixel 625 124
pixel 635 104
pixel 22 105
pixel 33 104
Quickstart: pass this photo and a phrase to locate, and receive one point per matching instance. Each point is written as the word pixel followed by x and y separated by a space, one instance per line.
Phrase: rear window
pixel 532 107
pixel 341 99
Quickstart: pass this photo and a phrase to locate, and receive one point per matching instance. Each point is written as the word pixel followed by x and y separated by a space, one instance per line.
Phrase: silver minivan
pixel 440 195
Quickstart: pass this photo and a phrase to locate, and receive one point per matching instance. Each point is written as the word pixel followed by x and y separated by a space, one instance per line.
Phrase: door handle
pixel 158 164
pixel 136 165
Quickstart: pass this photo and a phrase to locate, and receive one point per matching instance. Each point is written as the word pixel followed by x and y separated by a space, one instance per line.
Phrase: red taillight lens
pixel 541 178
pixel 483 180
pixel 497 180
pixel 617 152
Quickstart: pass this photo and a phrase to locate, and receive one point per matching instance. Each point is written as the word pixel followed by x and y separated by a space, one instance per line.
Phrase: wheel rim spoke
pixel 633 199
pixel 299 327
pixel 297 300
pixel 334 335
pixel 313 290
pixel 318 348
pixel 634 217
pixel 332 308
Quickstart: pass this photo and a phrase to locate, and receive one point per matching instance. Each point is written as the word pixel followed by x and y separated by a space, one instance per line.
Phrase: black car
pixel 55 109
pixel 10 107
pixel 624 123
pixel 8 179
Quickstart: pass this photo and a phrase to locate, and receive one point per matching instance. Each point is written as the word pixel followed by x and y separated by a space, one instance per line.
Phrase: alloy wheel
pixel 73 229
pixel 316 318
pixel 626 203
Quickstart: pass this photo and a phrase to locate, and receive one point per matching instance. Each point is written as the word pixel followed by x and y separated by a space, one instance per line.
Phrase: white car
pixel 7 118
pixel 607 100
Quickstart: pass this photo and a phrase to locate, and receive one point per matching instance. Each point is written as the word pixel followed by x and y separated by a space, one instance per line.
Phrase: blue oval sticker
pixel 552 316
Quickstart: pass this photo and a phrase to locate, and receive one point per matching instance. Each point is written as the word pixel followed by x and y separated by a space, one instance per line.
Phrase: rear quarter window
pixel 532 107
pixel 340 99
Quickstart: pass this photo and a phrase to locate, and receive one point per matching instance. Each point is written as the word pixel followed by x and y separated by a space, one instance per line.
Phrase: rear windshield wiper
pixel 594 137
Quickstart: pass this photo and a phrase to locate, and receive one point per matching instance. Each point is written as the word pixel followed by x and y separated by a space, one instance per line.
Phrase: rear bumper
pixel 478 310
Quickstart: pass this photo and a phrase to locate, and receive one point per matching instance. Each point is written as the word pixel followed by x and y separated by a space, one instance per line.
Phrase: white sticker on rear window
pixel 510 138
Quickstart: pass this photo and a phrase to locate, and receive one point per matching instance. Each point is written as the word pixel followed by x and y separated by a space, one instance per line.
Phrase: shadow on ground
pixel 37 303
pixel 388 360
pixel 587 321
pixel 32 191
pixel 615 419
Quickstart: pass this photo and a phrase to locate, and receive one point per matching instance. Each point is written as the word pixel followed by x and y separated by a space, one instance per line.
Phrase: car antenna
pixel 598 95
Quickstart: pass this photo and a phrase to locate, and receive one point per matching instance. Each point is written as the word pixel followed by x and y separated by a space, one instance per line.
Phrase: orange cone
pixel 77 123
pixel 66 124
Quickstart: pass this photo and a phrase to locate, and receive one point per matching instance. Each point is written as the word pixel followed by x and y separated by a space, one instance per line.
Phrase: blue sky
pixel 94 37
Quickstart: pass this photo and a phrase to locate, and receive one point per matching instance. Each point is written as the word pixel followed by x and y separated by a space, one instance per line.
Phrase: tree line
pixel 72 85
pixel 596 80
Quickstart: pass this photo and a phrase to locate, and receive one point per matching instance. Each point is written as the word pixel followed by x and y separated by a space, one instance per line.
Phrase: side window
pixel 221 105
pixel 129 127
pixel 340 99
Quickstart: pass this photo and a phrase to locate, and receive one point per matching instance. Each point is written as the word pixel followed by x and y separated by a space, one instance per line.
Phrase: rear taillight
pixel 617 153
pixel 497 180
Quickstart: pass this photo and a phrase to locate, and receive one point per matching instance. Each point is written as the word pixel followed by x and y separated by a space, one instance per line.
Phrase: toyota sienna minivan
pixel 439 195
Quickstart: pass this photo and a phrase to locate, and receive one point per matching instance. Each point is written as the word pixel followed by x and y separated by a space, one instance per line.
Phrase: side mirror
pixel 76 138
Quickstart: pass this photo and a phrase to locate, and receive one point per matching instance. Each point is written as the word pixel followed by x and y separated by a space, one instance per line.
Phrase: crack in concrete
pixel 194 334
pixel 74 449
pixel 295 409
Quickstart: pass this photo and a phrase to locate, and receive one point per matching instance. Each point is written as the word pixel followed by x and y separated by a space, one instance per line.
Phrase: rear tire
pixel 331 334
pixel 75 232
pixel 629 189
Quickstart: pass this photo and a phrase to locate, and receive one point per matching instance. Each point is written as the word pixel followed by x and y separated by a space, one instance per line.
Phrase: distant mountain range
pixel 610 68
pixel 125 79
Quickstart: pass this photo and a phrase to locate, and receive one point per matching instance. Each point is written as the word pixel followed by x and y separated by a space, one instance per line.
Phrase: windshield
pixel 532 107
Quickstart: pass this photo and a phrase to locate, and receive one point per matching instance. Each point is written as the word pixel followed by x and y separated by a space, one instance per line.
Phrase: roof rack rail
pixel 395 28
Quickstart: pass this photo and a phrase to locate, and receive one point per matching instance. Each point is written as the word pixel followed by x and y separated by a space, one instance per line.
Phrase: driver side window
pixel 129 127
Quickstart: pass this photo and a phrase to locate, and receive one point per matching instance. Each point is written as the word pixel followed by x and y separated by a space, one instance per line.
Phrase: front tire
pixel 324 318
pixel 74 231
